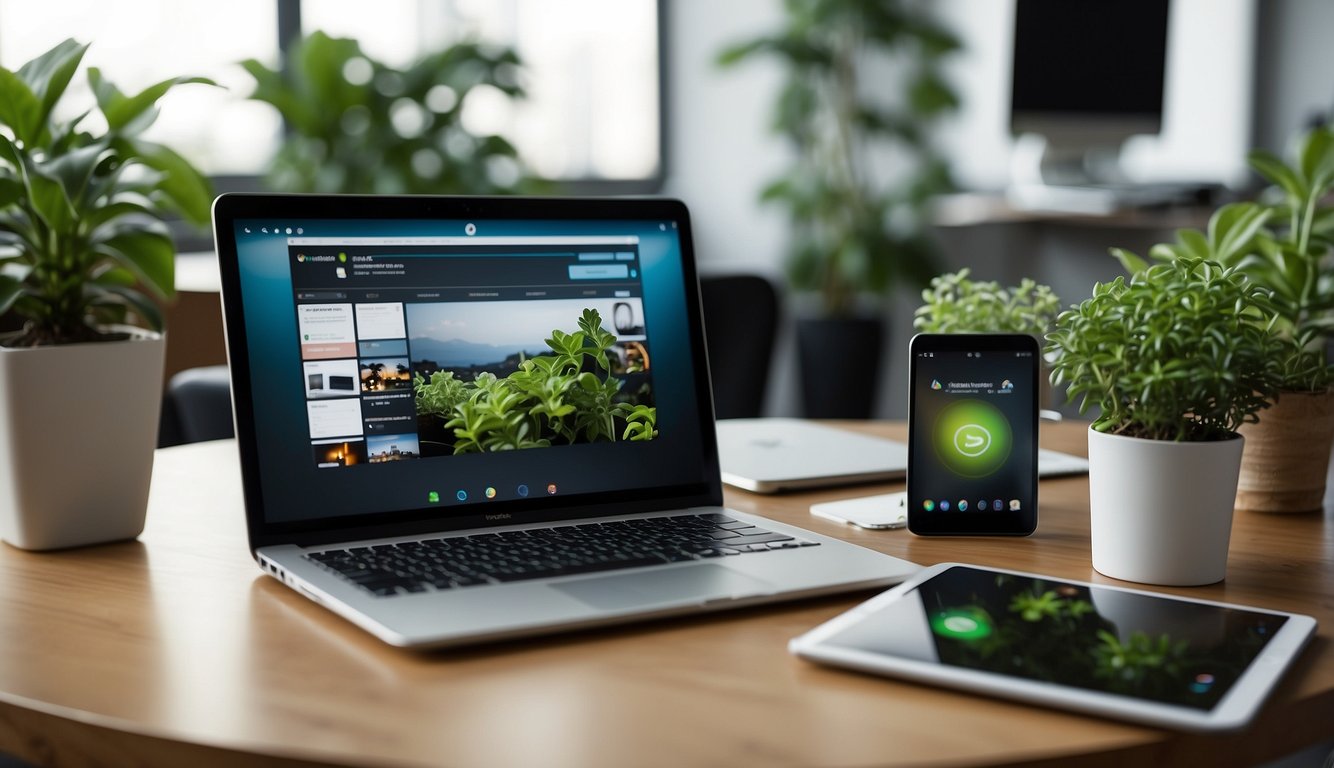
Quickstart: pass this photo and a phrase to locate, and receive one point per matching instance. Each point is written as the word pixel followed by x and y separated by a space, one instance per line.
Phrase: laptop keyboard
pixel 497 558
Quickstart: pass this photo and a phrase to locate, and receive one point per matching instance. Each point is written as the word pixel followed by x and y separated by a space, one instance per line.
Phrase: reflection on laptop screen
pixel 403 365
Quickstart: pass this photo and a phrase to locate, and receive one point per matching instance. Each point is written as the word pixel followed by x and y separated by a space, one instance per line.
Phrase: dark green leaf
pixel 1274 170
pixel 144 307
pixel 120 110
pixel 149 255
pixel 20 109
pixel 51 201
pixel 11 190
pixel 187 190
pixel 10 290
pixel 48 76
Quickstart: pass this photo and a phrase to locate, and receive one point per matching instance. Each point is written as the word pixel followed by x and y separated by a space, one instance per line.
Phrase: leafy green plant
pixel 852 231
pixel 359 125
pixel 1282 244
pixel 956 304
pixel 550 400
pixel 82 243
pixel 1186 350
pixel 1141 664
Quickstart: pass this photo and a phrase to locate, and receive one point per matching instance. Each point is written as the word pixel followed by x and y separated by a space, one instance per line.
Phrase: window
pixel 139 42
pixel 591 68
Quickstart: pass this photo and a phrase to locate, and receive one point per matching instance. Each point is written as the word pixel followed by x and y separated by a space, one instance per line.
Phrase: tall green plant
pixel 1186 350
pixel 1282 243
pixel 82 243
pixel 360 125
pixel 853 232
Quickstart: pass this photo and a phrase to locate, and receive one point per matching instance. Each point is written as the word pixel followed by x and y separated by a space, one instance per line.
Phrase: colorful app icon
pixel 1014 505
pixel 342 257
pixel 1007 384
pixel 462 495
pixel 935 384
pixel 944 505
pixel 997 505
pixel 551 489
pixel 963 505
pixel 928 505
pixel 433 497
pixel 982 505
pixel 522 490
pixel 490 492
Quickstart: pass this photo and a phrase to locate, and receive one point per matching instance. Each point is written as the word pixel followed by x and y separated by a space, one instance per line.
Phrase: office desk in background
pixel 175 650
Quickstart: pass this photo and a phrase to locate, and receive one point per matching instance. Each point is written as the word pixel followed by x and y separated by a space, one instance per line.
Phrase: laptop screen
pixel 457 367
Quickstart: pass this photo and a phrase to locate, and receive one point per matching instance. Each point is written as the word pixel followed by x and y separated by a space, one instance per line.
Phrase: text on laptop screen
pixel 402 365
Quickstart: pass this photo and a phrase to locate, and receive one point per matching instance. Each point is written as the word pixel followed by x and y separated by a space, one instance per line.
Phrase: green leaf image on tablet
pixel 972 438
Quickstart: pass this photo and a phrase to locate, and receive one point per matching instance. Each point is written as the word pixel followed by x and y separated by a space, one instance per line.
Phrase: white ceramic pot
pixel 1162 510
pixel 78 425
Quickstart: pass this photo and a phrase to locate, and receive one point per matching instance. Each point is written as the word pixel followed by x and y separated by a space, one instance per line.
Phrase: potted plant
pixel 854 233
pixel 1283 243
pixel 83 253
pixel 1177 357
pixel 373 128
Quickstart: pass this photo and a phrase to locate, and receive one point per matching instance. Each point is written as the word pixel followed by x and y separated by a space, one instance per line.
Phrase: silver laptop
pixel 770 455
pixel 512 432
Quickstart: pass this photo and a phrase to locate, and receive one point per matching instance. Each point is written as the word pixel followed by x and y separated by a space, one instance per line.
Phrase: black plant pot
pixel 839 359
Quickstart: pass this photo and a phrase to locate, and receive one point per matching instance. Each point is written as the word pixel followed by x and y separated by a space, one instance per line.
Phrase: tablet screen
pixel 1043 630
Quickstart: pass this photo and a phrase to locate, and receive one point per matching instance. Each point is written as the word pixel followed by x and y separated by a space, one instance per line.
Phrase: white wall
pixel 721 152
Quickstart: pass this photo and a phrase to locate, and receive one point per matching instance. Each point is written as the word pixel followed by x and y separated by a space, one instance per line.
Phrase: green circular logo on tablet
pixel 962 623
pixel 972 438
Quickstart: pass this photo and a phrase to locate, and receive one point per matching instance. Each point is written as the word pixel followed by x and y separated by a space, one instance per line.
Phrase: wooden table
pixel 175 650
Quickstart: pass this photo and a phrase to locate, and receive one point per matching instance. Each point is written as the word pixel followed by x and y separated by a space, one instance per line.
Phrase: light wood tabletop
pixel 176 650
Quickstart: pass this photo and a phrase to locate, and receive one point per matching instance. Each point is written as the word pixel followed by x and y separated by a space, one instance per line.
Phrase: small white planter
pixel 78 425
pixel 1162 510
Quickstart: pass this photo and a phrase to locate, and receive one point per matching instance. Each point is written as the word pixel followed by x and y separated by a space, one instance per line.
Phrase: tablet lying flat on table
pixel 1133 655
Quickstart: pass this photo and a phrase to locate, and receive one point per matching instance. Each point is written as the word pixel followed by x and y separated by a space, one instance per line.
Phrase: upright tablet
pixel 1157 659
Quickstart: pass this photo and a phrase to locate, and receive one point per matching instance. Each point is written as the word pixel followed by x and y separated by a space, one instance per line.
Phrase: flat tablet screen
pixel 1112 641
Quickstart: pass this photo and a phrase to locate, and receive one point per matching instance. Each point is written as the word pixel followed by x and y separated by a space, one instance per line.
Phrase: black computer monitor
pixel 1088 73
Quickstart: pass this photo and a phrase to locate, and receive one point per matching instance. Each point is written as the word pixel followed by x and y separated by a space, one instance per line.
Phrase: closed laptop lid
pixel 417 364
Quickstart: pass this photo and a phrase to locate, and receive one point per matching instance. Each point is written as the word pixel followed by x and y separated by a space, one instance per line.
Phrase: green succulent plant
pixel 361 126
pixel 853 232
pixel 82 241
pixel 956 304
pixel 1185 350
pixel 1283 244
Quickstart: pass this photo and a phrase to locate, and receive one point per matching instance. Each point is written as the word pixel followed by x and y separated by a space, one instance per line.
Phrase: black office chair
pixel 740 323
pixel 197 406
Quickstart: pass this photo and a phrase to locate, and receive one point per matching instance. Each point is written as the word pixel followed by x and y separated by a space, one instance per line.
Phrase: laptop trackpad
pixel 699 583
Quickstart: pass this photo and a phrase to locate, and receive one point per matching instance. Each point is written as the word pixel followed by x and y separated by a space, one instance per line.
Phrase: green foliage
pixel 853 232
pixel 1035 607
pixel 1142 663
pixel 1186 350
pixel 359 125
pixel 956 304
pixel 1283 244
pixel 82 243
pixel 550 400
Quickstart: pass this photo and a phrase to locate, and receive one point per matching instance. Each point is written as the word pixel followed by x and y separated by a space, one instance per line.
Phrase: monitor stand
pixel 1083 180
